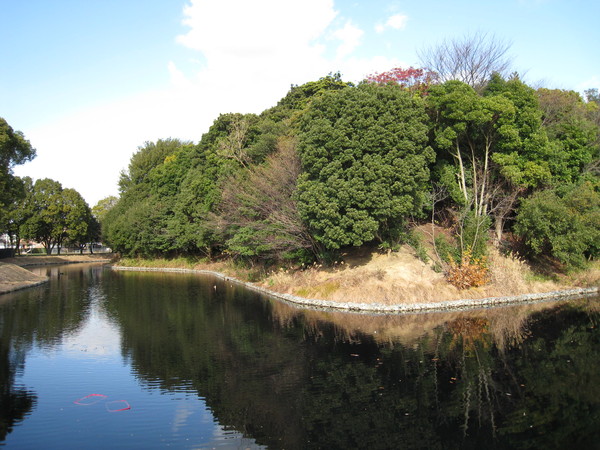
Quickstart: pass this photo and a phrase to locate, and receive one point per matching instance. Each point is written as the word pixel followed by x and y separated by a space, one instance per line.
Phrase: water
pixel 98 359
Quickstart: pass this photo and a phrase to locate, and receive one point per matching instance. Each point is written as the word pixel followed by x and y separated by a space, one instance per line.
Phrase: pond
pixel 97 358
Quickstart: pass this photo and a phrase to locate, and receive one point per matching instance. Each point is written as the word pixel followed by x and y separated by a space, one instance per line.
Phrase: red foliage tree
pixel 413 79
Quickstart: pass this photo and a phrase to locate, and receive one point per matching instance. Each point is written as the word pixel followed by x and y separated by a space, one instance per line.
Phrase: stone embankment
pixel 399 308
pixel 13 278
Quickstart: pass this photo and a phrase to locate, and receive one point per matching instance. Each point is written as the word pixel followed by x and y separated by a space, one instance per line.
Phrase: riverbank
pixel 374 307
pixel 392 282
pixel 14 276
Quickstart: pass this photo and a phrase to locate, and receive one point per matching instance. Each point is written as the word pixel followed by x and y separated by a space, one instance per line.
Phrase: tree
pixel 574 132
pixel 469 128
pixel 563 223
pixel 55 214
pixel 103 206
pixel 16 213
pixel 490 147
pixel 14 150
pixel 415 80
pixel 258 211
pixel 471 59
pixel 81 227
pixel 145 159
pixel 365 164
pixel 44 207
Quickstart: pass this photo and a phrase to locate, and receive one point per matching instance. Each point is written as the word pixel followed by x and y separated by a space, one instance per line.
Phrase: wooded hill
pixel 335 165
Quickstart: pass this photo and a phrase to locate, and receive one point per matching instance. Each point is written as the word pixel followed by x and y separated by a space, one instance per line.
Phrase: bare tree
pixel 233 146
pixel 261 201
pixel 471 59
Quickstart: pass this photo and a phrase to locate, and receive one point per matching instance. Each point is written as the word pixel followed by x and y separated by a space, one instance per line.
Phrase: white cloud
pixel 251 52
pixel 396 22
pixel 591 83
pixel 350 36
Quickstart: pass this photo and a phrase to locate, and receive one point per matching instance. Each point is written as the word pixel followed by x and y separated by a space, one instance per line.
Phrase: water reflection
pixel 33 321
pixel 272 375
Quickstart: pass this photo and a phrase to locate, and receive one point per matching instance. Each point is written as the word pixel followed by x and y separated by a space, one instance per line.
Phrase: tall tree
pixel 491 146
pixel 45 210
pixel 16 211
pixel 365 164
pixel 574 132
pixel 81 227
pixel 258 211
pixel 14 150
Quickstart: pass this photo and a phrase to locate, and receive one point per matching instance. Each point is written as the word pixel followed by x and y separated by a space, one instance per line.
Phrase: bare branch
pixel 471 59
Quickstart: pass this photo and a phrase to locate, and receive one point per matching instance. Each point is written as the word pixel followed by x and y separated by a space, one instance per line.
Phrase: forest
pixel 336 165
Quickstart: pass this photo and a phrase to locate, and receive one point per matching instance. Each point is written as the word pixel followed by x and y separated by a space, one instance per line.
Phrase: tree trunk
pixel 499 225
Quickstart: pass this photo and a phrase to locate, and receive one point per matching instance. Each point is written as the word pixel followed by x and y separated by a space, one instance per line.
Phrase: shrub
pixel 564 224
pixel 470 272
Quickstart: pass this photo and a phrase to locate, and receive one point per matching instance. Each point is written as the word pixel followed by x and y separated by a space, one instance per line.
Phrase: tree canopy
pixel 365 164
pixel 334 165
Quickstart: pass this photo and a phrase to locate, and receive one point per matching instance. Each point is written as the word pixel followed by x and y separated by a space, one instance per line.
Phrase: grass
pixel 172 263
pixel 368 276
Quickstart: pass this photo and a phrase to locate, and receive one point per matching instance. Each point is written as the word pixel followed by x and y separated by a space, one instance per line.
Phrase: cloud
pixel 251 52
pixel 350 36
pixel 396 22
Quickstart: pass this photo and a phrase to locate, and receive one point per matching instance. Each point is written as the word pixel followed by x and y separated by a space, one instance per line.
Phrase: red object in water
pixel 117 405
pixel 90 399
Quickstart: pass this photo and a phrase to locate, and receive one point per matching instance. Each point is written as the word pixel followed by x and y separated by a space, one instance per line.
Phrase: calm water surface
pixel 98 359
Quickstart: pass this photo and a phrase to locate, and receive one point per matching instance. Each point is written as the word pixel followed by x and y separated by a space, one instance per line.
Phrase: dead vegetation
pixel 400 277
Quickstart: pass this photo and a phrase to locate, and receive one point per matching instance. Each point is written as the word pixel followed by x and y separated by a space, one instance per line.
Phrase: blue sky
pixel 89 81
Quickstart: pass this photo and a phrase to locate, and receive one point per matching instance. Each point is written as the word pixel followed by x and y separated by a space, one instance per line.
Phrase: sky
pixel 89 82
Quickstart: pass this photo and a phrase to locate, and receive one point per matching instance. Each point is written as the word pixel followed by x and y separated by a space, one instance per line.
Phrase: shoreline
pixel 15 277
pixel 375 308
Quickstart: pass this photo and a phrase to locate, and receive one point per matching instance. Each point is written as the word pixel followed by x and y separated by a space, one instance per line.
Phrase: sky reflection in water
pixel 204 367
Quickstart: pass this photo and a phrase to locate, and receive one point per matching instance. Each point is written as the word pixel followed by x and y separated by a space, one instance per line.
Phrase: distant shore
pixel 14 277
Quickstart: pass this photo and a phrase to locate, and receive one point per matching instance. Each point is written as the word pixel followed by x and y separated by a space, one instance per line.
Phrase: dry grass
pixel 400 277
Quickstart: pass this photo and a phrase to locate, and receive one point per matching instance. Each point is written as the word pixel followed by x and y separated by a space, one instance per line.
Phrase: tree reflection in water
pixel 306 379
pixel 32 319
pixel 518 377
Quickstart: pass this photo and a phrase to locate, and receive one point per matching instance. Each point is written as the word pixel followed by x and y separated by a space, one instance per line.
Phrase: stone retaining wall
pixel 386 309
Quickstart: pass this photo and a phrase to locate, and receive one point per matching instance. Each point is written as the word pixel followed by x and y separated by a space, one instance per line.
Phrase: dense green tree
pixel 81 227
pixel 14 150
pixel 563 223
pixel 16 213
pixel 151 155
pixel 365 164
pixel 104 205
pixel 138 223
pixel 573 132
pixel 55 215
pixel 490 147
pixel 298 99
pixel 45 223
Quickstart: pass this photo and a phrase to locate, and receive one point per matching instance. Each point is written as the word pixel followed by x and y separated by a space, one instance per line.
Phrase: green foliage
pixel 563 223
pixel 14 150
pixel 145 159
pixel 53 215
pixel 573 132
pixel 447 251
pixel 365 164
pixel 258 213
pixel 300 97
pixel 473 234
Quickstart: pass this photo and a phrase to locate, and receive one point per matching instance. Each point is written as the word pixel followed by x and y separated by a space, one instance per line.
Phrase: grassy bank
pixel 369 276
